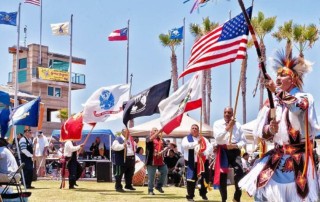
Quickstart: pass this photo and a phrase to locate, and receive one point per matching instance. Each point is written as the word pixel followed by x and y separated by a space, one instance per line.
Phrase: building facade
pixel 48 79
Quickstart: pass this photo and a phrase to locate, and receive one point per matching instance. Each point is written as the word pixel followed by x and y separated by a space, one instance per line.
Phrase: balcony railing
pixel 75 79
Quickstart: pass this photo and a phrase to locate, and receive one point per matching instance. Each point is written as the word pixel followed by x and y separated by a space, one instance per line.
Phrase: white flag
pixel 60 29
pixel 186 98
pixel 105 104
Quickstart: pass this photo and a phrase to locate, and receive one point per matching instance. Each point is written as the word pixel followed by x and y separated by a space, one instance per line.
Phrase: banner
pixel 53 75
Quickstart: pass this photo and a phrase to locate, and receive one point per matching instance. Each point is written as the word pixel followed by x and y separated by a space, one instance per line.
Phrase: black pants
pixel 191 185
pixel 27 169
pixel 73 172
pixel 233 159
pixel 127 170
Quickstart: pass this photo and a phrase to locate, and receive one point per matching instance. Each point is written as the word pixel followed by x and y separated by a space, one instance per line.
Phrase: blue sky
pixel 149 62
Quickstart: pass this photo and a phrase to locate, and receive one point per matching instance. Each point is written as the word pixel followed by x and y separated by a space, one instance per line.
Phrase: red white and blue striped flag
pixel 119 35
pixel 222 45
pixel 34 2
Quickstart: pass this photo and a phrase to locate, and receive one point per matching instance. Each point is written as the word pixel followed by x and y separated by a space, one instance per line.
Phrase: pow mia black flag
pixel 146 102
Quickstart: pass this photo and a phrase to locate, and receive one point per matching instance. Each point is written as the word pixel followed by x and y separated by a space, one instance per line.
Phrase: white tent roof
pixel 181 131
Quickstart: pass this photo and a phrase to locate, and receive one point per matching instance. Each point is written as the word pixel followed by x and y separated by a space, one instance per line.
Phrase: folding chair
pixel 13 182
pixel 183 180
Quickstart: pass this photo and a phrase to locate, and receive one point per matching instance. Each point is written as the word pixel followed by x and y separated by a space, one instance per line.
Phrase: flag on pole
pixel 72 128
pixel 105 104
pixel 60 29
pixel 146 102
pixel 222 45
pixel 4 121
pixel 186 98
pixel 8 18
pixel 27 114
pixel 119 35
pixel 34 2
pixel 176 33
pixel 4 98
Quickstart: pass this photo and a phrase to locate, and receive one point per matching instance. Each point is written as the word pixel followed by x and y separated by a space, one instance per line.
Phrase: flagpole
pixel 40 48
pixel 70 68
pixel 230 74
pixel 16 86
pixel 127 73
pixel 183 49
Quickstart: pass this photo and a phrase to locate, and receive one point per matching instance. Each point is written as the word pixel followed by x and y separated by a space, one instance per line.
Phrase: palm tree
pixel 172 44
pixel 305 37
pixel 197 31
pixel 285 32
pixel 63 114
pixel 262 26
pixel 243 83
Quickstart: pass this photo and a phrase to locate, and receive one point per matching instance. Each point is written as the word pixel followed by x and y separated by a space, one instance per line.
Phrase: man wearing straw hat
pixel 230 139
pixel 41 146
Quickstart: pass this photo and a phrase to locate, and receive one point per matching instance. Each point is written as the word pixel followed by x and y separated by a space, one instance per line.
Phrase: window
pixel 52 115
pixel 23 63
pixel 54 91
pixel 22 76
pixel 59 65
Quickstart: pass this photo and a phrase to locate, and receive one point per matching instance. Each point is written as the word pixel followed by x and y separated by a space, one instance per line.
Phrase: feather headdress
pixel 294 67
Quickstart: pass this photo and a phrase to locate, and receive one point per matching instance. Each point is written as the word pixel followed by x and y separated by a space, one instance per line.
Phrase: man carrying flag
pixel 71 131
pixel 228 153
pixel 196 154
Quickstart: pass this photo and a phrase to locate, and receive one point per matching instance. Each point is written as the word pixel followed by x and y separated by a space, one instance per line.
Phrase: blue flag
pixel 4 121
pixel 176 33
pixel 27 114
pixel 8 18
pixel 4 98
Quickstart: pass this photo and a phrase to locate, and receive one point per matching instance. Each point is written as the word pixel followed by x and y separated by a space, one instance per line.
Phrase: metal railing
pixel 75 79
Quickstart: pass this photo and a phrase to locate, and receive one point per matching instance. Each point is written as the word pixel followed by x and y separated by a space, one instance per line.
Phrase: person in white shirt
pixel 8 164
pixel 228 152
pixel 245 163
pixel 124 160
pixel 195 159
pixel 70 153
pixel 41 148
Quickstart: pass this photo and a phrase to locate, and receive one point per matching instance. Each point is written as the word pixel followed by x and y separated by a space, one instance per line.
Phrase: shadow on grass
pixel 109 192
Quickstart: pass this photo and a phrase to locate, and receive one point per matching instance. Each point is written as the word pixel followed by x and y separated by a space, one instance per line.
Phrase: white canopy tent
pixel 143 130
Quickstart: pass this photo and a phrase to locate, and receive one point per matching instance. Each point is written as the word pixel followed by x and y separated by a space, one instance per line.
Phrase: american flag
pixel 34 2
pixel 222 45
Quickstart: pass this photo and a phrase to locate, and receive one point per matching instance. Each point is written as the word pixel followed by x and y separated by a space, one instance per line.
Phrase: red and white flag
pixel 34 2
pixel 222 45
pixel 72 128
pixel 186 98
pixel 106 104
pixel 119 35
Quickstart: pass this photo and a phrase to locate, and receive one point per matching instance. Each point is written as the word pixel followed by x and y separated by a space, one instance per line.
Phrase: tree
pixel 285 32
pixel 305 37
pixel 262 27
pixel 172 44
pixel 243 83
pixel 197 31
pixel 63 114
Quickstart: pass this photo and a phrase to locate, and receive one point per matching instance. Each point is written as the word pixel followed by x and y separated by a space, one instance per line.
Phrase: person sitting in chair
pixel 8 164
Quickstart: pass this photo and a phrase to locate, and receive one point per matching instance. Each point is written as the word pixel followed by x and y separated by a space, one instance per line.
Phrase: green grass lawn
pixel 48 190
